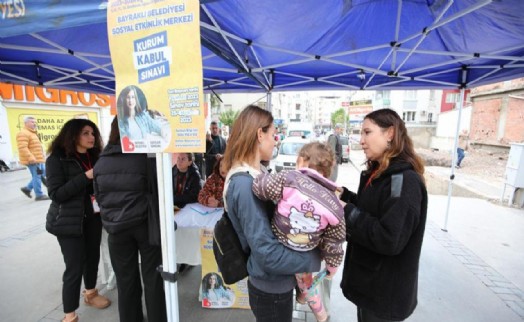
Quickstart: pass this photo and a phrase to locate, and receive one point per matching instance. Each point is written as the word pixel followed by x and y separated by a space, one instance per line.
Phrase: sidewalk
pixel 471 273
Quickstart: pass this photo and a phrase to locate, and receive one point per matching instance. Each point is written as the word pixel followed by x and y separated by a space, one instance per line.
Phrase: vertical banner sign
pixel 214 294
pixel 155 49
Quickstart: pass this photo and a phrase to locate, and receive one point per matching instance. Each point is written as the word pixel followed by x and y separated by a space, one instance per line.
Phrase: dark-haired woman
pixel 135 121
pixel 385 223
pixel 123 191
pixel 71 216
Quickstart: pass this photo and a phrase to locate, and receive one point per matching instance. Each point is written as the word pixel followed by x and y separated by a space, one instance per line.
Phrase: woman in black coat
pixel 187 181
pixel 385 223
pixel 71 216
pixel 123 190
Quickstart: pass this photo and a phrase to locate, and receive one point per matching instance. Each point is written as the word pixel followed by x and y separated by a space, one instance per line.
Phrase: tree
pixel 228 117
pixel 339 116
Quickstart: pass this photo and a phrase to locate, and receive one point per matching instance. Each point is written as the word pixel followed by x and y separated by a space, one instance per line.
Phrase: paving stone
pixel 516 308
pixel 300 315
pixel 501 290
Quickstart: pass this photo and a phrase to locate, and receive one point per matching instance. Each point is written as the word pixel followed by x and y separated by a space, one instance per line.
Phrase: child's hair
pixel 319 156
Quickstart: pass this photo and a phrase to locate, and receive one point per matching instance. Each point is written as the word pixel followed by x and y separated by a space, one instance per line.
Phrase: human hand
pixel 218 156
pixel 212 202
pixel 208 136
pixel 89 174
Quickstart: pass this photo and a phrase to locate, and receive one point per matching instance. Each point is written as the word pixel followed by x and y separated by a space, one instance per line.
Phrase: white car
pixel 287 155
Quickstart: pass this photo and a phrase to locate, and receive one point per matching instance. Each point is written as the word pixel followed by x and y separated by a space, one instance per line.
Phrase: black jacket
pixel 385 225
pixel 192 186
pixel 70 191
pixel 121 188
pixel 212 149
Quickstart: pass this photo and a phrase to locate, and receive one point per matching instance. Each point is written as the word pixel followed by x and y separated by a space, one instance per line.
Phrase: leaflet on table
pixel 157 61
pixel 214 294
pixel 203 210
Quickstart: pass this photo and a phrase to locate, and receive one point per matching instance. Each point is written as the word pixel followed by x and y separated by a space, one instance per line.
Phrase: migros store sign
pixel 39 94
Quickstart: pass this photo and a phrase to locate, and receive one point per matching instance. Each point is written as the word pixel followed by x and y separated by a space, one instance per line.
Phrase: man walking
pixel 31 155
pixel 336 146
pixel 462 147
pixel 215 148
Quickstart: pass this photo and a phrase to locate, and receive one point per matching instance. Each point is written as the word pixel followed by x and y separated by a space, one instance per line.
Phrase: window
pixel 410 95
pixel 430 117
pixel 452 97
pixel 404 116
pixel 413 116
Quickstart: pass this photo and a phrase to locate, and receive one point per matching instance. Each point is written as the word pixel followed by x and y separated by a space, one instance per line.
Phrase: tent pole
pixel 454 158
pixel 167 232
pixel 268 101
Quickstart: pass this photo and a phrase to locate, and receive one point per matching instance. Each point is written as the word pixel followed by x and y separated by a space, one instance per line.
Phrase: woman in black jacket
pixel 71 216
pixel 187 181
pixel 385 223
pixel 122 189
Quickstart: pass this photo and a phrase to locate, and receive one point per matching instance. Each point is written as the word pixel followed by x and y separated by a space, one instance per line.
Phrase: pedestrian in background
pixel 215 147
pixel 385 222
pixel 336 146
pixel 31 155
pixel 72 216
pixel 463 143
pixel 122 190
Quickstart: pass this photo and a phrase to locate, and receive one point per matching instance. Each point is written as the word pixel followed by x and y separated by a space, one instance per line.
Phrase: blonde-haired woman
pixel 271 265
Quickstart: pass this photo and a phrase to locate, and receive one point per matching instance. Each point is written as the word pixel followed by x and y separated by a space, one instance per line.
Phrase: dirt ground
pixel 477 162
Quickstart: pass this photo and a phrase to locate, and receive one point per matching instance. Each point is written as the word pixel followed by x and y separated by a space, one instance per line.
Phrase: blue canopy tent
pixel 265 46
pixel 300 45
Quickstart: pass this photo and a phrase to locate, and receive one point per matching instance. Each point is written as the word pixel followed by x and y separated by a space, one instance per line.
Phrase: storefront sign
pixel 49 123
pixel 54 96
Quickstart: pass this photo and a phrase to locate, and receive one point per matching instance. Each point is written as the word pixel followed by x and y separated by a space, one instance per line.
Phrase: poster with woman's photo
pixel 156 53
pixel 214 293
pixel 142 129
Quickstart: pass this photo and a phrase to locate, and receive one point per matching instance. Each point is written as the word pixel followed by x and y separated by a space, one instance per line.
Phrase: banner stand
pixel 167 233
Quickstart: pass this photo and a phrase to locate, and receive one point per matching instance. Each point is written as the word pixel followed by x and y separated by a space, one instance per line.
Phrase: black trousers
pixel 81 256
pixel 123 250
pixel 368 316
pixel 267 307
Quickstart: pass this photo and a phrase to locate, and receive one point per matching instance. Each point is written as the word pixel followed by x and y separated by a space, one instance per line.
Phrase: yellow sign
pixel 49 122
pixel 155 49
pixel 214 294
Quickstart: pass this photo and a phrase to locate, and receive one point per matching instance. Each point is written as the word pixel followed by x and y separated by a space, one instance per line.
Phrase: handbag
pixel 229 255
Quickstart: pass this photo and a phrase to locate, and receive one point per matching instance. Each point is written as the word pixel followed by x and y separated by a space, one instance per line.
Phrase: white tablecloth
pixel 190 220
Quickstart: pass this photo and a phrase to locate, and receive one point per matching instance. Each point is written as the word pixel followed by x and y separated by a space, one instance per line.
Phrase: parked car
pixel 344 141
pixel 286 158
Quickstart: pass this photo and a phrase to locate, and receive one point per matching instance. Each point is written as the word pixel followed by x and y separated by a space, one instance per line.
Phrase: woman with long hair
pixel 271 265
pixel 71 216
pixel 122 189
pixel 213 288
pixel 134 119
pixel 385 222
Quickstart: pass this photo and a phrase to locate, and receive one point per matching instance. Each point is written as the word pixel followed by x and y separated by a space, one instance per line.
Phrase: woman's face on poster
pixel 131 100
pixel 212 281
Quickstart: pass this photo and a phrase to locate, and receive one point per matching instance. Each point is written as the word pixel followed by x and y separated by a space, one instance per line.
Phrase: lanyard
pixel 87 166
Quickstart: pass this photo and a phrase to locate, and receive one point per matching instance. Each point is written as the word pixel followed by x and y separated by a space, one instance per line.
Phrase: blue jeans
pixel 36 180
pixel 460 156
pixel 269 307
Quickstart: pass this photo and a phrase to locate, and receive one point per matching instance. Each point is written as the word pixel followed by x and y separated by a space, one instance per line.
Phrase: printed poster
pixel 214 293
pixel 49 123
pixel 155 49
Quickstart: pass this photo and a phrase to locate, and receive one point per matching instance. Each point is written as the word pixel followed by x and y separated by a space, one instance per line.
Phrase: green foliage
pixel 215 100
pixel 228 117
pixel 339 116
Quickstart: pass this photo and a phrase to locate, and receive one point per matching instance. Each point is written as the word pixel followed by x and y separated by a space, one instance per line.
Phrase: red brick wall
pixel 514 131
pixel 484 121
